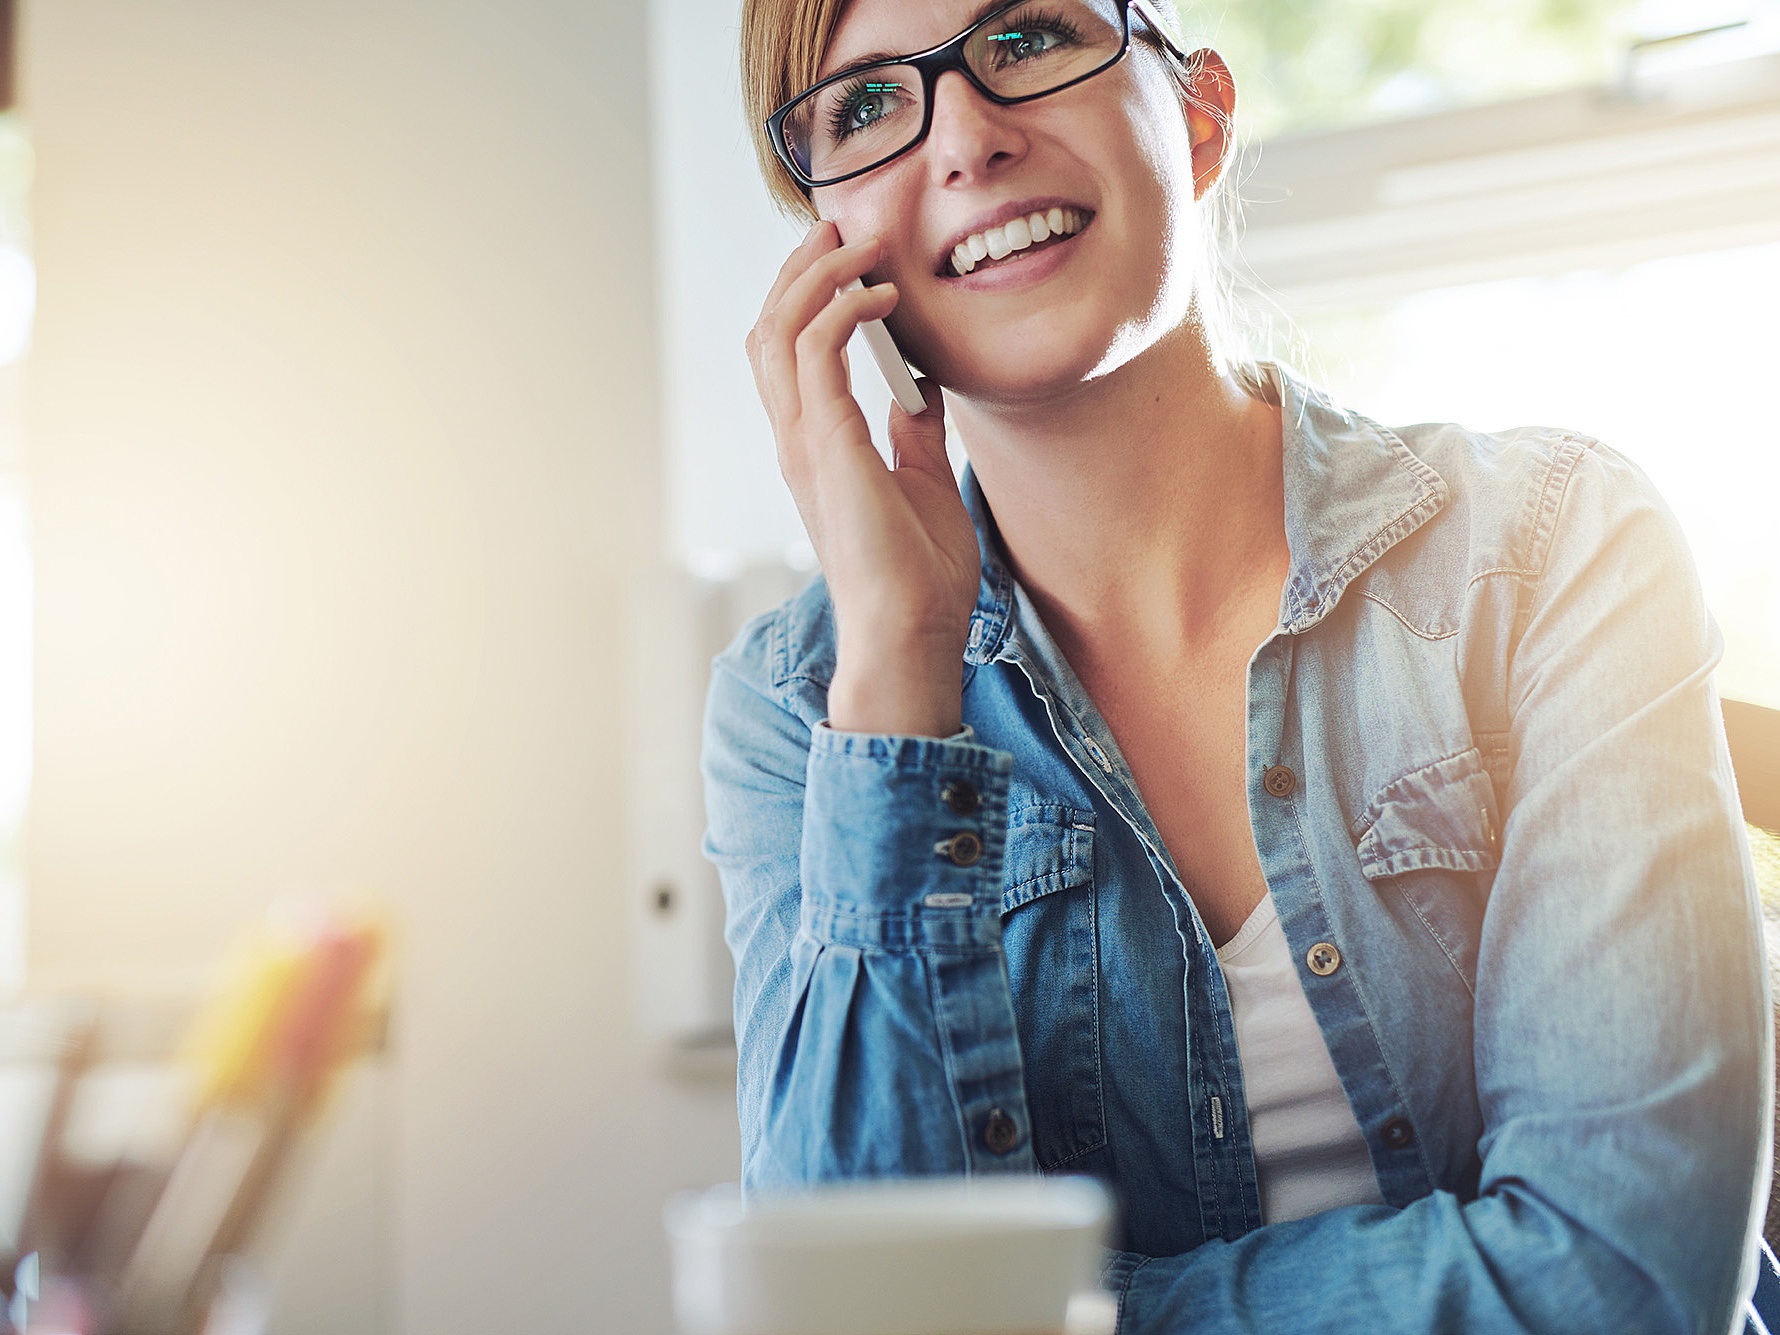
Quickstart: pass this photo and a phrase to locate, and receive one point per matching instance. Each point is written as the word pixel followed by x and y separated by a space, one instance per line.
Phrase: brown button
pixel 964 848
pixel 960 797
pixel 1397 1133
pixel 1323 959
pixel 1000 1134
pixel 1279 781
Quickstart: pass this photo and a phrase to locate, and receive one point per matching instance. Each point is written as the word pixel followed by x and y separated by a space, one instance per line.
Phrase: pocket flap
pixel 1049 848
pixel 1442 815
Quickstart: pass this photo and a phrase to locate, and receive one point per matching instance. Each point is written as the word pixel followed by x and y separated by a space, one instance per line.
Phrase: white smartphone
pixel 889 359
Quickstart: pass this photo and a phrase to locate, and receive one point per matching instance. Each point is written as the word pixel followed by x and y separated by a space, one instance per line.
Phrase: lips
pixel 1011 228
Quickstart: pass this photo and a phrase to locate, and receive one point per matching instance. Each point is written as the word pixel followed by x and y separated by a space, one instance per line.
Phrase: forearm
pixel 875 1027
pixel 1508 1261
pixel 905 1039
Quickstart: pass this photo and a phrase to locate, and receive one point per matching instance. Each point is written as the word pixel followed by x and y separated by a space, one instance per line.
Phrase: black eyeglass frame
pixel 935 61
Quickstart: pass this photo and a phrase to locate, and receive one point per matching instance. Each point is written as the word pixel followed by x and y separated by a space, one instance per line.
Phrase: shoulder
pixel 1518 503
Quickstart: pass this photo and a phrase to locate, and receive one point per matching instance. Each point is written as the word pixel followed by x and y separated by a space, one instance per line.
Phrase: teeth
pixel 1017 234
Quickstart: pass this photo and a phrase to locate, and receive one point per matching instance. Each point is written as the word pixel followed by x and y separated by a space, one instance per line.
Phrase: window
pixel 1605 259
pixel 1318 64
pixel 1665 360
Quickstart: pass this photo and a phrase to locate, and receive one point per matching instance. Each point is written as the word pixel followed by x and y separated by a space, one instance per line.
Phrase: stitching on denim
pixel 948 1059
pixel 1125 1288
pixel 1094 980
pixel 1069 830
pixel 1497 570
pixel 1438 939
pixel 1549 504
pixel 1408 624
pixel 1001 598
pixel 1406 459
pixel 1366 1010
pixel 1379 542
pixel 1567 459
pixel 1073 1155
pixel 778 641
pixel 1375 807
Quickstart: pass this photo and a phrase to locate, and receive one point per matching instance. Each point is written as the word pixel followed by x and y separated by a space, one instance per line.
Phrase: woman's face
pixel 1116 148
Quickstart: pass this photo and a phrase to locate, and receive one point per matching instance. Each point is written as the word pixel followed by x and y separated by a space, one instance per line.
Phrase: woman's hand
pixel 896 544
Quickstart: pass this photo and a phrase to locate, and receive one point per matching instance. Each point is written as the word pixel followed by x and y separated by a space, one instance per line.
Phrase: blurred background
pixel 379 468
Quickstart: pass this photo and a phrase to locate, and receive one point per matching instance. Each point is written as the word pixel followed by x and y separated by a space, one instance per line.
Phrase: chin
pixel 1010 363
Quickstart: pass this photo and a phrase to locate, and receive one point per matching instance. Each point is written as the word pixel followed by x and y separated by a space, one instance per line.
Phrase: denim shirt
pixel 1491 798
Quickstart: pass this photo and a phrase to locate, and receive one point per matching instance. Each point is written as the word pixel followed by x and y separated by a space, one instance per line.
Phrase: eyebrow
pixel 983 11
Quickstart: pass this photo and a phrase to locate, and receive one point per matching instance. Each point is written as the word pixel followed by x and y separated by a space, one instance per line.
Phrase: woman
pixel 1322 834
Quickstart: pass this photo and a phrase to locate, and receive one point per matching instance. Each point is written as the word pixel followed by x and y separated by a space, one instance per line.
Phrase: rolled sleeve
pixel 903 839
pixel 862 879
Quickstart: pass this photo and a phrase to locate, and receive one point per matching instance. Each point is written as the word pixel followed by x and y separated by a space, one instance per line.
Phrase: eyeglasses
pixel 876 110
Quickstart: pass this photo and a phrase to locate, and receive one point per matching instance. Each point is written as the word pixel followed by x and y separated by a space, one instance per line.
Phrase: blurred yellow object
pixel 264 1053
pixel 226 1046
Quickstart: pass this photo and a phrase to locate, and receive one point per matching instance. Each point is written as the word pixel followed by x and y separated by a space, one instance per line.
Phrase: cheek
pixel 1163 143
pixel 867 207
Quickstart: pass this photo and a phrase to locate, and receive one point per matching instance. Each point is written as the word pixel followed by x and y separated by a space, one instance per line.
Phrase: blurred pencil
pixel 265 1054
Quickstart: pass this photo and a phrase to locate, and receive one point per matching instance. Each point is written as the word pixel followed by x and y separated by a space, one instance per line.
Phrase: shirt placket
pixel 1215 1122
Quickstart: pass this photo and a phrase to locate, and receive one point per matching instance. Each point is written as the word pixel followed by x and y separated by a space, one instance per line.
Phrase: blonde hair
pixel 782 45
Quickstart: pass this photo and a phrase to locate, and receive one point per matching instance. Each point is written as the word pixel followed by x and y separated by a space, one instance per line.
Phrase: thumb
pixel 919 441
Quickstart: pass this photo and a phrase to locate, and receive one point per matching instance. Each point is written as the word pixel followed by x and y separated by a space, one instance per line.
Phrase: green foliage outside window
pixel 1311 63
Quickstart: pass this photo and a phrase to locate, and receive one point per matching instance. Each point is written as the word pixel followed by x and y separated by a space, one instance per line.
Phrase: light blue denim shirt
pixel 1490 794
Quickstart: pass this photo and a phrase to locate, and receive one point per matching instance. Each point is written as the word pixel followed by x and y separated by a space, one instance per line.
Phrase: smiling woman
pixel 1321 833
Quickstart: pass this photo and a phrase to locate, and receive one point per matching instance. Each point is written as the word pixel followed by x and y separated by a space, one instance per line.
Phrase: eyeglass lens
pixel 875 113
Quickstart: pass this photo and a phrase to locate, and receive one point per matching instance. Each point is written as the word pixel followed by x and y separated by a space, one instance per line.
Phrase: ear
pixel 1209 95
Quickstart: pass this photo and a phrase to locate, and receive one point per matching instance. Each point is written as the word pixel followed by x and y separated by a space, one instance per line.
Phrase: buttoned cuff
pixel 903 839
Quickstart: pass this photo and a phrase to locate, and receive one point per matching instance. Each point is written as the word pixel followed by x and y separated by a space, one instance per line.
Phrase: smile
pixel 1017 235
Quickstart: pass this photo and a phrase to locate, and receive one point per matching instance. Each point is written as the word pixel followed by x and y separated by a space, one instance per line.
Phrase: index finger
pixel 818 241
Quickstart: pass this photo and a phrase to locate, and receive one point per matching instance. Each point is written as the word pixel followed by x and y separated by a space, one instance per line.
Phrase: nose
pixel 970 136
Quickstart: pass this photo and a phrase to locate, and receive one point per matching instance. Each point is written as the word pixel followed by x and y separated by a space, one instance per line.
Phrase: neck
pixel 1144 508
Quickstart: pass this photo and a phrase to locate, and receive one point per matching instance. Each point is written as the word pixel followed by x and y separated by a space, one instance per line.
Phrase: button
pixel 1397 1133
pixel 1279 781
pixel 1000 1134
pixel 1323 959
pixel 960 797
pixel 964 848
pixel 1099 755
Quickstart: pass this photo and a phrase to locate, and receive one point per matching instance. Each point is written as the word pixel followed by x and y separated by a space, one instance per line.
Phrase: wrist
pixel 908 690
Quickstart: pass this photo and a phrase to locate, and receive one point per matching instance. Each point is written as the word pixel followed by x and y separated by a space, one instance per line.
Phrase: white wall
pixel 343 423
pixel 721 245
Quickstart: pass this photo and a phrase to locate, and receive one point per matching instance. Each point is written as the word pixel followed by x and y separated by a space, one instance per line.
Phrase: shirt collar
pixel 1353 490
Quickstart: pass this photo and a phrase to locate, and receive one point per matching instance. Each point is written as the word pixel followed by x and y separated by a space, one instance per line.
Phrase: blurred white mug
pixel 979 1256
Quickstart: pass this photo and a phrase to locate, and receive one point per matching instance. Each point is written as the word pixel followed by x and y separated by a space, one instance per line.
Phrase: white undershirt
pixel 1309 1151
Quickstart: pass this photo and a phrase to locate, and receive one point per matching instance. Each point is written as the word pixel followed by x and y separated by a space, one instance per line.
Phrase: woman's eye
pixel 864 105
pixel 1024 43
pixel 866 108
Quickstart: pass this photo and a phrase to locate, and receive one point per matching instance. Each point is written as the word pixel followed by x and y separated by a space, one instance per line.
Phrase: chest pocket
pixel 1432 835
pixel 1051 941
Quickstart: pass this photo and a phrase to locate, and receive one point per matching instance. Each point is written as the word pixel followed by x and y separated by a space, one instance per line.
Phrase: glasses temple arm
pixel 1153 21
